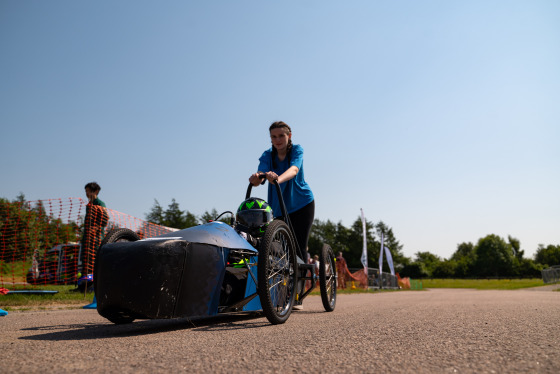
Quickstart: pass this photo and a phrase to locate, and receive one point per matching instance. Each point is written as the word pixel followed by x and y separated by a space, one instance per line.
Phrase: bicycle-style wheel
pixel 327 278
pixel 277 275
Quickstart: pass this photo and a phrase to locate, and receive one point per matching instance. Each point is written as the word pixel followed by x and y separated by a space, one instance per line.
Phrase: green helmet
pixel 253 216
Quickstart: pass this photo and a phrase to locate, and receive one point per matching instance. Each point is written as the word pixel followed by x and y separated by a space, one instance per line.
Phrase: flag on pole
pixel 390 260
pixel 364 251
pixel 381 262
pixel 381 256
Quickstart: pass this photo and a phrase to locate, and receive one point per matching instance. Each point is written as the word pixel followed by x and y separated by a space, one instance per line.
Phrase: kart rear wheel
pixel 113 236
pixel 327 278
pixel 277 277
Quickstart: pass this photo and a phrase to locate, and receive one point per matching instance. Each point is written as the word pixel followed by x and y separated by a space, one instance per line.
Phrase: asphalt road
pixel 433 331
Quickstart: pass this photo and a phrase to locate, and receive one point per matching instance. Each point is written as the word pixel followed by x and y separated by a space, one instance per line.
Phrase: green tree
pixel 190 220
pixel 208 216
pixel 464 250
pixel 494 257
pixel 528 268
pixel 349 241
pixel 333 234
pixel 213 214
pixel 464 258
pixel 156 214
pixel 549 255
pixel 515 245
pixel 173 216
pixel 414 270
pixel 430 261
pixel 445 269
pixel 26 229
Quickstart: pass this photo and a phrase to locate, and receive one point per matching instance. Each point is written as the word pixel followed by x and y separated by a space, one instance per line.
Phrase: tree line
pixel 24 228
pixel 491 256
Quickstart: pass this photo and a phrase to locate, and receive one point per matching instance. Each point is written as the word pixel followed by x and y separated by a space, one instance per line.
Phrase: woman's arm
pixel 284 177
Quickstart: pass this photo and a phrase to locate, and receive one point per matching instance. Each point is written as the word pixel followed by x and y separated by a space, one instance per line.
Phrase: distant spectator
pixel 341 270
pixel 94 226
pixel 316 263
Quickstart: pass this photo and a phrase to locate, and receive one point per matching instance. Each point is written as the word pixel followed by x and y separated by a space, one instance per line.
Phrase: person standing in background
pixel 94 226
pixel 94 231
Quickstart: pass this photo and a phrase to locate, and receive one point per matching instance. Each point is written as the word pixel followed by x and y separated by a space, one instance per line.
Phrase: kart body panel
pixel 213 233
pixel 179 274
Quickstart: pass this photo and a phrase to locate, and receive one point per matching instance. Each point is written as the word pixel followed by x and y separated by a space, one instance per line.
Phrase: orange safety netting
pixel 55 241
pixel 409 284
pixel 344 275
pixel 404 283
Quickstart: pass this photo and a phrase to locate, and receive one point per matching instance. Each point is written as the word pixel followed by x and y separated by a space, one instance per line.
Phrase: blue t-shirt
pixel 296 191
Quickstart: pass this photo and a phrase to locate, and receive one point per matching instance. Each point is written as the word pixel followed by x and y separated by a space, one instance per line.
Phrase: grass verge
pixel 483 284
pixel 65 298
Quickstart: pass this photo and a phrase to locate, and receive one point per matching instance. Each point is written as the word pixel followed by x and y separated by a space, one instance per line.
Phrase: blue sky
pixel 440 118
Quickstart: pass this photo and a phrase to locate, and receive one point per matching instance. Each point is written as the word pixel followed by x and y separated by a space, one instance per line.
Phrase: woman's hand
pixel 271 176
pixel 255 179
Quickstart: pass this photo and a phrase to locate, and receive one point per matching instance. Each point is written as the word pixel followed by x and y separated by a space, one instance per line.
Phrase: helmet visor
pixel 254 218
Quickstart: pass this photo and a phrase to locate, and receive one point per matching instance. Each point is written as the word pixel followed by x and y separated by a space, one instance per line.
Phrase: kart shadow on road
pixel 92 331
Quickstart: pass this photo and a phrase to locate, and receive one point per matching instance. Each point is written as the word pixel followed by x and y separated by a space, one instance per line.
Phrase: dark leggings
pixel 301 222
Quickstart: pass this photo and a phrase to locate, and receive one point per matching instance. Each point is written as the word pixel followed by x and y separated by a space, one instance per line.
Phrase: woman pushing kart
pixel 283 162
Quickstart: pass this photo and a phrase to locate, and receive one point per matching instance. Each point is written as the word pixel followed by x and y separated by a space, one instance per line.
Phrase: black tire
pixel 277 275
pixel 119 235
pixel 113 236
pixel 327 278
pixel 119 319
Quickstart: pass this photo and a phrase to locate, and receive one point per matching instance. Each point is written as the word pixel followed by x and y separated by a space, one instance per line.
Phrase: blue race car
pixel 251 264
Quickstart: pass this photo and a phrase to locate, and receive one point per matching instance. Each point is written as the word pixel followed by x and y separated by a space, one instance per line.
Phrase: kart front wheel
pixel 327 278
pixel 277 277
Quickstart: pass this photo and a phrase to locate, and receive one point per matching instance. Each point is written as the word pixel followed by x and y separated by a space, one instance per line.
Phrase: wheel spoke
pixel 279 269
pixel 278 264
pixel 275 284
pixel 275 274
pixel 278 296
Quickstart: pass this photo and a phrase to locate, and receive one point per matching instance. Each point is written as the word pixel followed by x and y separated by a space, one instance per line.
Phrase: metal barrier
pixel 551 275
pixel 388 281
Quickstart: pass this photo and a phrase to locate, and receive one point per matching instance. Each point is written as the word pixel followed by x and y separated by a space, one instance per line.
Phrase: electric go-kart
pixel 210 269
